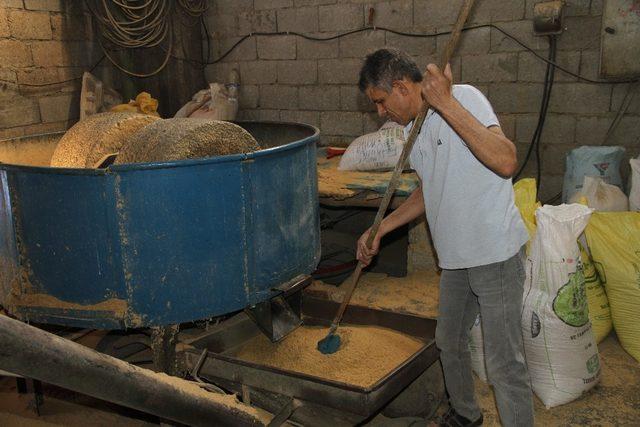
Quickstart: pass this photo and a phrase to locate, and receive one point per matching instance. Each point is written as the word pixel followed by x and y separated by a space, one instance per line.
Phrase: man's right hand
pixel 364 253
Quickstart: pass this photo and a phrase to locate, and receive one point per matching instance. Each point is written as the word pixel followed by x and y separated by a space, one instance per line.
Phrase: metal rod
pixel 408 146
pixel 34 353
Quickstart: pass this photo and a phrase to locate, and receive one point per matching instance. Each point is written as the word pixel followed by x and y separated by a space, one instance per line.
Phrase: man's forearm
pixel 489 145
pixel 412 208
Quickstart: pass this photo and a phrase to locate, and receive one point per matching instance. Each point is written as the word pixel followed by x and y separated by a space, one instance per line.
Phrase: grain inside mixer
pixel 184 138
pixel 366 355
pixel 90 139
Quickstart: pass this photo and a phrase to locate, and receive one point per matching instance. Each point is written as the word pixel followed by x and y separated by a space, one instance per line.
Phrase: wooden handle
pixel 406 150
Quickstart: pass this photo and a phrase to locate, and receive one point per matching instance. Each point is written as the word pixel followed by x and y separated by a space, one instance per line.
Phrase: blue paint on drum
pixel 174 241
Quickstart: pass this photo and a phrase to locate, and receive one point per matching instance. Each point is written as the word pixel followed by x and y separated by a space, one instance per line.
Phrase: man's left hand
pixel 436 86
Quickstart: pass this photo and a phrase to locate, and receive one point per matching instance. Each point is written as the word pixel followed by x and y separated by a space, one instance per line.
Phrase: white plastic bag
pixel 634 192
pixel 601 196
pixel 219 102
pixel 374 151
pixel 561 352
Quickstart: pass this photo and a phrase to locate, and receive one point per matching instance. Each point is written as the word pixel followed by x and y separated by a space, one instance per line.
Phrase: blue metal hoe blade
pixel 330 344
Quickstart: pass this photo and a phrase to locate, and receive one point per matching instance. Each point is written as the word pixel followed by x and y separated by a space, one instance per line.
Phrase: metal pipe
pixel 34 353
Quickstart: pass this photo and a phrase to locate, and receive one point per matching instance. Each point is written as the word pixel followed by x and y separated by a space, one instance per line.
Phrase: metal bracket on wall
pixel 547 18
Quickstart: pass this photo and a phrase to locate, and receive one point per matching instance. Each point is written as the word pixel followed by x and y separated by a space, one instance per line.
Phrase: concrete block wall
pixel 42 42
pixel 292 78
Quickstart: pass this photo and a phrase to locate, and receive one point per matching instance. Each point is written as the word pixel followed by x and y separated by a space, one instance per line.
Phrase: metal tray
pixel 222 340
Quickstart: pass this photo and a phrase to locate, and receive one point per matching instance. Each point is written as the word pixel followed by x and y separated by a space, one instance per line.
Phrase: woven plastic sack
pixel 634 192
pixel 614 241
pixel 561 352
pixel 603 162
pixel 601 196
pixel 525 200
pixel 374 151
pixel 599 310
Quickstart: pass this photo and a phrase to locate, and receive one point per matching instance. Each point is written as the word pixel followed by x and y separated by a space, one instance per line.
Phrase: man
pixel 465 164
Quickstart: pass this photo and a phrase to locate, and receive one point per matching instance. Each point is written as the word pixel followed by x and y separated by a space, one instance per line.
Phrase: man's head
pixel 391 79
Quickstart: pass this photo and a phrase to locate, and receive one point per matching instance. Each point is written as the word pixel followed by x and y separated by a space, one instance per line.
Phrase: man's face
pixel 392 105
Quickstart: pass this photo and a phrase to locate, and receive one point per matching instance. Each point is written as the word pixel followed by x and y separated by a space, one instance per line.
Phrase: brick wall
pixel 42 42
pixel 291 78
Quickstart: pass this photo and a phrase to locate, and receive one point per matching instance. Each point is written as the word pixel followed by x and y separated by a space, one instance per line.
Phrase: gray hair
pixel 384 66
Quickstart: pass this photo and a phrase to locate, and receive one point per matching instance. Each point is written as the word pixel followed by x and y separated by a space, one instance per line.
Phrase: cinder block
pixel 48 5
pixel 279 97
pixel 276 47
pixel 397 15
pixel 431 14
pixel 533 69
pixel 497 11
pixel 590 64
pixel 361 44
pixel 302 20
pixel 340 17
pixel 596 7
pixel 577 7
pixel 249 95
pixel 231 6
pixel 258 72
pixel 319 97
pixel 627 133
pixel 309 117
pixel 15 53
pixel 341 123
pixel 18 111
pixel 581 32
pixel 473 42
pixel 257 21
pixel 30 25
pixel 299 3
pixel 553 158
pixel 57 53
pixel 38 76
pixel 4 23
pixel 456 65
pixel 495 67
pixel 271 4
pixel 515 97
pixel 219 72
pixel 262 114
pixel 413 46
pixel 523 31
pixel 12 4
pixel 298 72
pixel 508 125
pixel 591 130
pixel 311 49
pixel 42 128
pixel 352 99
pixel 558 128
pixel 581 98
pixel 59 108
pixel 550 187
pixel 224 23
pixel 245 51
pixel 372 122
pixel 339 71
pixel 619 93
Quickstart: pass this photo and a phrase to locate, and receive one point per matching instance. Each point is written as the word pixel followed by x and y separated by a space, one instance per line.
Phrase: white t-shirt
pixel 470 209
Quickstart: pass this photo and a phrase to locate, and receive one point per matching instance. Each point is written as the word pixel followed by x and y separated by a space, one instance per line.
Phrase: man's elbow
pixel 508 168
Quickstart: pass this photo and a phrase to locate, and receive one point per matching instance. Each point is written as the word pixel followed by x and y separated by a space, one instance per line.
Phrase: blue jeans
pixel 496 291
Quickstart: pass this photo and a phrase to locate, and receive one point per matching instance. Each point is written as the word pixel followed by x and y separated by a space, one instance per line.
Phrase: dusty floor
pixel 614 402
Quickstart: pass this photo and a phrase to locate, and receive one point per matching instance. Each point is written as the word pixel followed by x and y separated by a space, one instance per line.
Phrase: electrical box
pixel 547 18
pixel 620 47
